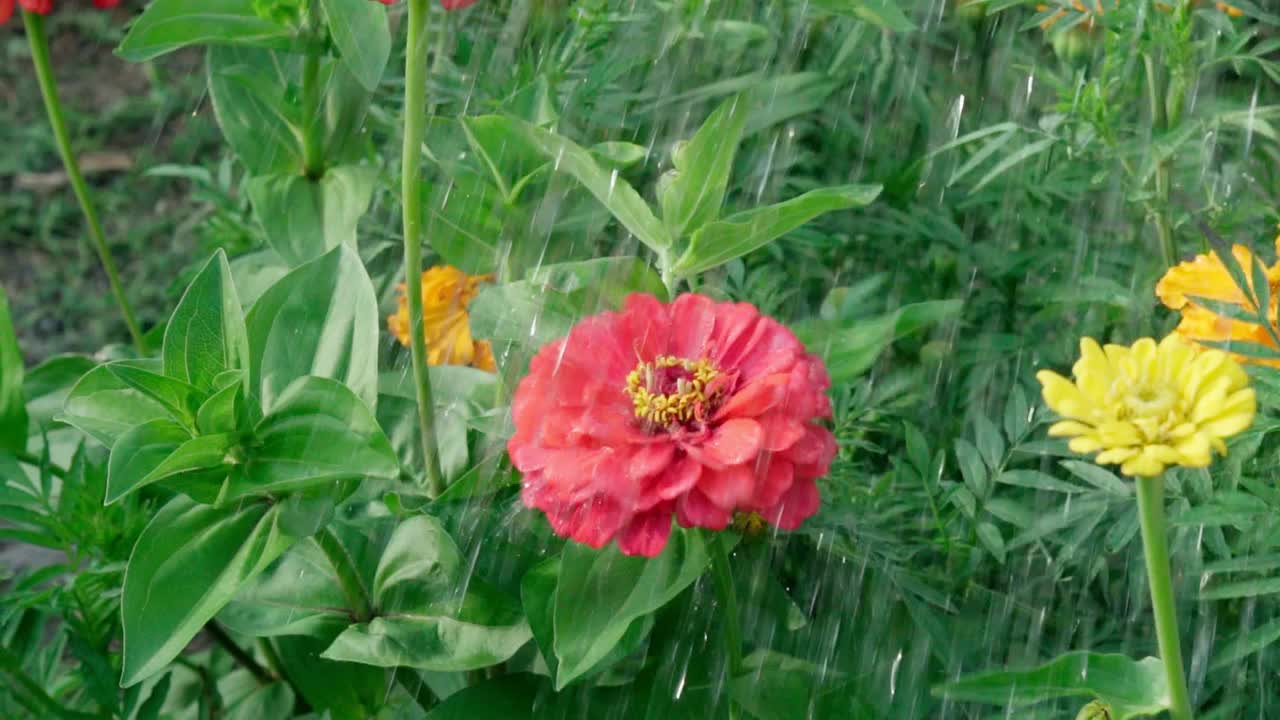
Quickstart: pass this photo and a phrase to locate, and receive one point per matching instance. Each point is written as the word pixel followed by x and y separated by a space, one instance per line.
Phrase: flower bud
pixel 1096 710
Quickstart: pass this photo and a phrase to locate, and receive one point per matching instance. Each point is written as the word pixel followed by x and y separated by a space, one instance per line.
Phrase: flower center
pixel 1145 401
pixel 672 390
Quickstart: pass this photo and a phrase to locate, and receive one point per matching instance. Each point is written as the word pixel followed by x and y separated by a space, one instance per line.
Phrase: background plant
pixel 1021 208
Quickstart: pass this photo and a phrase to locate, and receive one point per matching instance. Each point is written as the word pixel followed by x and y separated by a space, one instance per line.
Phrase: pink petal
pixel 679 477
pixel 781 432
pixel 647 534
pixel 729 488
pixel 774 482
pixel 756 398
pixel 695 510
pixel 797 504
pixel 734 442
pixel 692 320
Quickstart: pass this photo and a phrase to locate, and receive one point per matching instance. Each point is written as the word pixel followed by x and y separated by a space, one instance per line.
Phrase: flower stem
pixel 1155 548
pixel 1160 120
pixel 348 577
pixel 722 574
pixel 49 89
pixel 415 90
pixel 312 125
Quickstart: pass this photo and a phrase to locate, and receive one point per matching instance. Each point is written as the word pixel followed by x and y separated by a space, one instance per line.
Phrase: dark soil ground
pixel 124 119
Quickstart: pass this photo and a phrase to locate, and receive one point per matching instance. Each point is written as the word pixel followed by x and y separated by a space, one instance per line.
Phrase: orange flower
pixel 1206 277
pixel 446 293
pixel 1086 25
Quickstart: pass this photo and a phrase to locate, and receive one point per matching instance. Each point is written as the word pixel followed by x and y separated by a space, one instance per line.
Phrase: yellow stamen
pixel 684 404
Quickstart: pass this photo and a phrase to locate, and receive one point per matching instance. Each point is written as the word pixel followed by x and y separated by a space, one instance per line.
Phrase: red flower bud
pixel 6 10
pixel 105 4
pixel 39 7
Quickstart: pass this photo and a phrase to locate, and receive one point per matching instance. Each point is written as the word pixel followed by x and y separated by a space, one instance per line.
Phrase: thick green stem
pixel 1160 121
pixel 415 119
pixel 1155 548
pixel 49 89
pixel 312 107
pixel 722 574
pixel 246 660
pixel 345 569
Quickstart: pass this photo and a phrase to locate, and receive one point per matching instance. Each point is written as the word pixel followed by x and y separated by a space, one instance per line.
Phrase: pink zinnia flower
pixel 695 408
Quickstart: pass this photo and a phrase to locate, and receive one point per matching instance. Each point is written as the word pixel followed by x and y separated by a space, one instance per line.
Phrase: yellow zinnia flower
pixel 446 293
pixel 1206 277
pixel 1148 406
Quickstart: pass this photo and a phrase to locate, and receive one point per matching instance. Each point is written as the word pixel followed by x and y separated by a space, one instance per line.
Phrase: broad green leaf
pixel 167 25
pixel 254 273
pixel 359 30
pixel 1132 688
pixel 318 433
pixel 600 593
pixel 206 334
pixel 882 13
pixel 161 449
pixel 503 698
pixel 702 169
pixel 464 222
pixel 189 561
pixel 47 385
pixel 298 594
pixel 178 397
pixel 226 410
pixel 774 686
pixel 267 701
pixel 486 630
pixel 719 242
pixel 424 619
pixel 347 691
pixel 304 218
pixel 13 408
pixel 250 93
pixel 611 190
pixel 1099 477
pixel 972 468
pixel 545 306
pixel 321 319
pixel 992 540
pixel 104 407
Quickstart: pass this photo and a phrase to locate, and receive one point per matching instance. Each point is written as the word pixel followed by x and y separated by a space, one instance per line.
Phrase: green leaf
pixel 318 433
pixel 719 242
pixel 1243 589
pixel 304 218
pixel 1131 688
pixel 321 319
pixel 104 407
pixel 545 306
pixel 1036 480
pixel 425 621
pixel 850 349
pixel 359 30
pixel 266 701
pixel 1099 477
pixel 881 13
pixel 611 190
pixel 167 25
pixel 465 222
pixel 178 397
pixel 347 691
pixel 13 409
pixel 972 468
pixel 298 594
pixel 703 167
pixel 503 698
pixel 775 686
pixel 189 561
pixel 250 93
pixel 227 409
pixel 600 593
pixel 206 334
pixel 47 385
pixel 158 450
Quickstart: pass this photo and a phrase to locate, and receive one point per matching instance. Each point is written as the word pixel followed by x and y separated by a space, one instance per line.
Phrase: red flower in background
pixel 695 408
pixel 43 7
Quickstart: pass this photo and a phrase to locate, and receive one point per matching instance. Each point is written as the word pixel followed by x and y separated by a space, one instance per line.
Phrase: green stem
pixel 312 115
pixel 722 574
pixel 49 90
pixel 29 459
pixel 345 569
pixel 1160 120
pixel 1155 548
pixel 415 89
pixel 224 640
